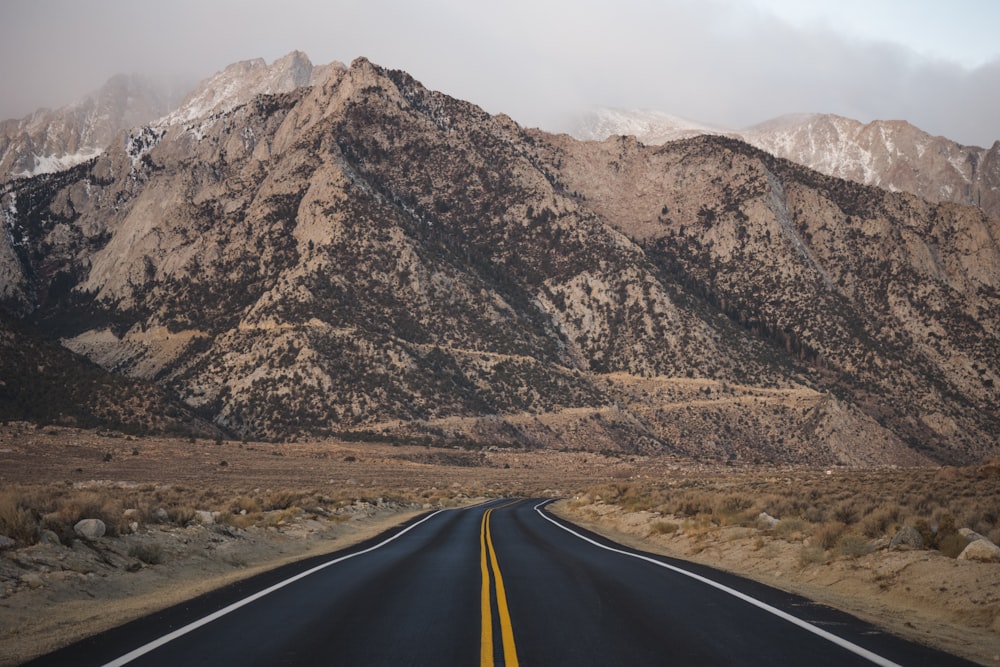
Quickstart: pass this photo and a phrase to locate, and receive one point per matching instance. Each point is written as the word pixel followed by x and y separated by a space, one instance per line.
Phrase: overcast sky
pixel 731 63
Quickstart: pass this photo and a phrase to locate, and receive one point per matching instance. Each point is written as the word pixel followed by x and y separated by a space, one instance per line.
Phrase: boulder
pixel 767 520
pixel 204 517
pixel 981 550
pixel 970 534
pixel 907 537
pixel 90 529
pixel 49 537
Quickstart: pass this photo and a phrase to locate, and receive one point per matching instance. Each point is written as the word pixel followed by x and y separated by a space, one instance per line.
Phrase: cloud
pixel 717 61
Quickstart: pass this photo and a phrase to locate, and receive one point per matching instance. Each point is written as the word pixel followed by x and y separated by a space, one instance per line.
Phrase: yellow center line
pixel 506 629
pixel 486 649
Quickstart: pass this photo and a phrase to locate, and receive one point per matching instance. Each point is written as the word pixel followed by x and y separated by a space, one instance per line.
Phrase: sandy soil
pixel 920 595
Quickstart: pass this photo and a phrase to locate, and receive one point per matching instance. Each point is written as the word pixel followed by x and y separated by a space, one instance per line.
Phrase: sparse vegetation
pixel 150 553
pixel 844 513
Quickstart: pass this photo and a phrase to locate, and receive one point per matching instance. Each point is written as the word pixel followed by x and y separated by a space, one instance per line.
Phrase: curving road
pixel 504 583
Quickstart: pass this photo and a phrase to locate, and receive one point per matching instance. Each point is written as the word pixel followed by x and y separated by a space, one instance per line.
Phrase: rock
pixel 981 550
pixel 6 543
pixel 970 534
pixel 90 529
pixel 204 517
pixel 32 579
pixel 49 537
pixel 908 537
pixel 767 520
pixel 160 515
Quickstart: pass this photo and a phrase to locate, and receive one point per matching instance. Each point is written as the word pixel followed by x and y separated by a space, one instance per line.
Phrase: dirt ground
pixel 53 594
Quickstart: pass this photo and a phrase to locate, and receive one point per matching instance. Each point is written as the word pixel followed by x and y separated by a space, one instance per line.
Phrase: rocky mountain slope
pixel 893 155
pixel 49 141
pixel 363 257
pixel 52 140
pixel 43 382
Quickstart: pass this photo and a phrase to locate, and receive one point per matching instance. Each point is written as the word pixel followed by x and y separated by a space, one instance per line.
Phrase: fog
pixel 730 63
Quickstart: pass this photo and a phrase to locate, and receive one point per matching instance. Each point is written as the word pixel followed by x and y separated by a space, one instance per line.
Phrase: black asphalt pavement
pixel 508 576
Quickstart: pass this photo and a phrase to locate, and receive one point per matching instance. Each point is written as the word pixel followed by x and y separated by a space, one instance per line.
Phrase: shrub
pixel 846 513
pixel 790 528
pixel 852 545
pixel 181 514
pixel 16 522
pixel 150 553
pixel 812 556
pixel 281 500
pixel 828 534
pixel 663 528
pixel 952 545
pixel 86 505
pixel 882 521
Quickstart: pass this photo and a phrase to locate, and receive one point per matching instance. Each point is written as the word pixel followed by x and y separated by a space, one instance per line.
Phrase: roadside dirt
pixel 67 594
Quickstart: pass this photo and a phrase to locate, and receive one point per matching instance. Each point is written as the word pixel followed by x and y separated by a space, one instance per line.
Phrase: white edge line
pixel 805 625
pixel 156 643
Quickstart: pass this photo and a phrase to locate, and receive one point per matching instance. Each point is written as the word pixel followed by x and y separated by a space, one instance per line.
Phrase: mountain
pixel 53 140
pixel 48 141
pixel 649 126
pixel 365 258
pixel 43 382
pixel 243 81
pixel 893 155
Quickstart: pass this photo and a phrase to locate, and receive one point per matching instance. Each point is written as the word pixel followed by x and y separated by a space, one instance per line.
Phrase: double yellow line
pixel 506 630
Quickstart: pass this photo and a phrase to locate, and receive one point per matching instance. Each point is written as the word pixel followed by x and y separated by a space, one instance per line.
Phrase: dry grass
pixel 26 511
pixel 840 512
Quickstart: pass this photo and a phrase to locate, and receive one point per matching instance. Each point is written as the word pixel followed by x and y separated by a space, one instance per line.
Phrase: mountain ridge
pixel 50 140
pixel 366 258
pixel 894 155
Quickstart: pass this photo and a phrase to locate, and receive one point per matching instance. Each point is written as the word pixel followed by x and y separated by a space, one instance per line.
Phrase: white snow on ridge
pixel 50 164
pixel 648 126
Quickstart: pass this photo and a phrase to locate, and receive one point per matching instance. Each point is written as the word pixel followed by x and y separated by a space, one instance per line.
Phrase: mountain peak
pixel 891 154
pixel 649 126
pixel 242 81
pixel 51 140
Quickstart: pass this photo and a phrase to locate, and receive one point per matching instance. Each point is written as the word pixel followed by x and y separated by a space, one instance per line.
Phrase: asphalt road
pixel 503 583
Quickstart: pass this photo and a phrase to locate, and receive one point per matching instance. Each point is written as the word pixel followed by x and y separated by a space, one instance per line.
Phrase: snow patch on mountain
pixel 50 164
pixel 139 142
pixel 649 126
pixel 893 155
